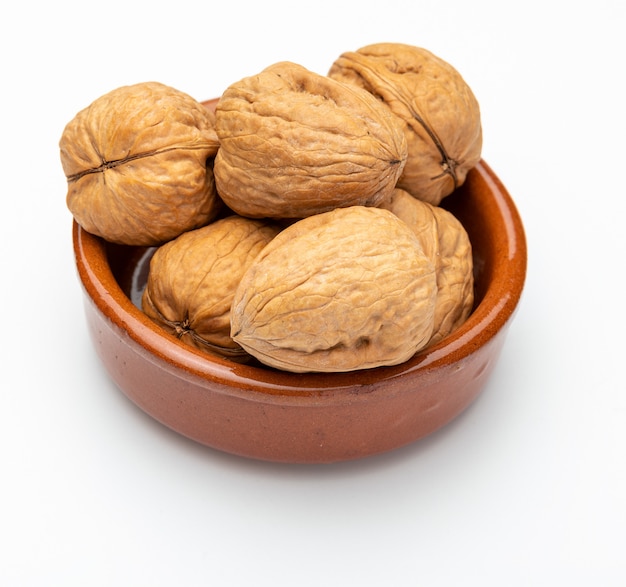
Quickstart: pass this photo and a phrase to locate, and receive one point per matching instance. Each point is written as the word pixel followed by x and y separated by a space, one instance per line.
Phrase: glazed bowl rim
pixel 493 312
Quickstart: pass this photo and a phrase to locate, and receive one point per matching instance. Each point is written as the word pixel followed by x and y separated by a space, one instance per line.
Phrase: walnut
pixel 192 280
pixel 138 163
pixel 294 143
pixel 447 244
pixel 338 291
pixel 439 110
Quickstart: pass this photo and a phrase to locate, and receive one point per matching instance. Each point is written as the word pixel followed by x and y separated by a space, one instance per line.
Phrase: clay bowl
pixel 257 412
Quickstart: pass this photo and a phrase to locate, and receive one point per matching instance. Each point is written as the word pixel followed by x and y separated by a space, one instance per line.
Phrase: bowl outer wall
pixel 310 418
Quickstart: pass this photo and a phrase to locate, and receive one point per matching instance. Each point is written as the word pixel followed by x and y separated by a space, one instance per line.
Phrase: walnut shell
pixel 440 112
pixel 138 163
pixel 339 291
pixel 192 280
pixel 294 143
pixel 446 242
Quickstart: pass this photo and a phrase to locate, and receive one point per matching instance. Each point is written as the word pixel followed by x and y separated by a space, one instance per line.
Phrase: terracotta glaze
pixel 257 412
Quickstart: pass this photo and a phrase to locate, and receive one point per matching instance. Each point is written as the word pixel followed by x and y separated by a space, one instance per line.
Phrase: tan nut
pixel 294 143
pixel 138 162
pixel 339 291
pixel 440 113
pixel 446 242
pixel 192 280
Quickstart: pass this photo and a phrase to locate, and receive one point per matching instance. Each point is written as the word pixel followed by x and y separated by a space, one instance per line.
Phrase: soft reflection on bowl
pixel 257 412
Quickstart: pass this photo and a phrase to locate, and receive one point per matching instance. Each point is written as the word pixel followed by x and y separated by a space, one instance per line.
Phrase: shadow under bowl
pixel 262 413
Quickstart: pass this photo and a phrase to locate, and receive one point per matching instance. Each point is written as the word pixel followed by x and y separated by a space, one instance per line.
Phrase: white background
pixel 526 488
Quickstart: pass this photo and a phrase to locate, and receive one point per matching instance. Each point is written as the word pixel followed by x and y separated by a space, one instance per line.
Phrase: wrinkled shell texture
pixel 294 143
pixel 192 280
pixel 343 290
pixel 446 242
pixel 440 112
pixel 137 165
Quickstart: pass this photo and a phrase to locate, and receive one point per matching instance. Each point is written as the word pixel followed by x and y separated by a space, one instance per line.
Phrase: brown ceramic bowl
pixel 266 414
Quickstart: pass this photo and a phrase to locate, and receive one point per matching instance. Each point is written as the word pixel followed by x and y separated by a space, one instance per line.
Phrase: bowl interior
pixel 483 206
